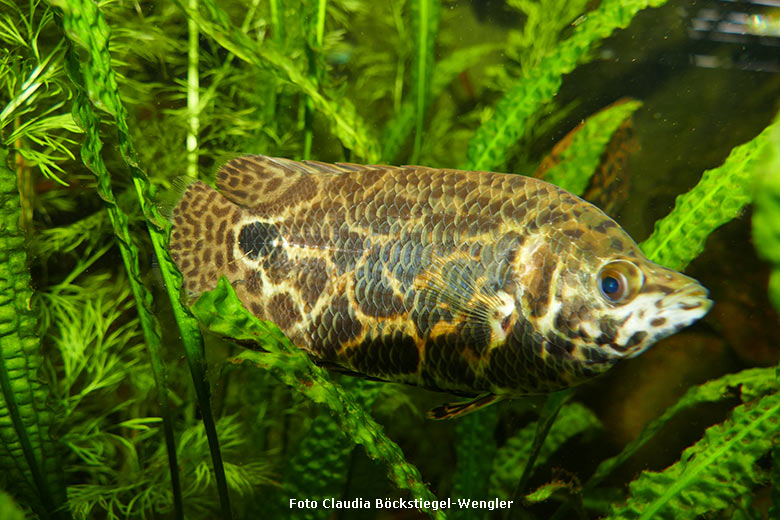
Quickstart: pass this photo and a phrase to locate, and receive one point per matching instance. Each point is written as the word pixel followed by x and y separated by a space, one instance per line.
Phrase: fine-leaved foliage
pixel 114 402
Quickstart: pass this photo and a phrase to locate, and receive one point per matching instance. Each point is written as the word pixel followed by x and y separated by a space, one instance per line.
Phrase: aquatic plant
pixel 99 417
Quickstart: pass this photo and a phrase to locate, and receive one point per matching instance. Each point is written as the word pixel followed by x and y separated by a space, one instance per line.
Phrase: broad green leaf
pixel 475 451
pixel 10 509
pixel 747 385
pixel 580 159
pixel 492 141
pixel 29 459
pixel 713 473
pixel 766 216
pixel 320 465
pixel 720 196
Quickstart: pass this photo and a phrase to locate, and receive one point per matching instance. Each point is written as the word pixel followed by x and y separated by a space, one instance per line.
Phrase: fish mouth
pixel 689 298
pixel 656 314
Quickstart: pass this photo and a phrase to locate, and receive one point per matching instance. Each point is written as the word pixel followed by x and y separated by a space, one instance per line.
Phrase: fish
pixel 484 285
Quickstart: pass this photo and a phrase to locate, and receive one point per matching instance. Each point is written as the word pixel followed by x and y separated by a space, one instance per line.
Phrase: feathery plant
pixel 103 104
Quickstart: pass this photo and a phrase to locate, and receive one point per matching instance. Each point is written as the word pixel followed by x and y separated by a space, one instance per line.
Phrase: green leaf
pixel 313 26
pixel 320 465
pixel 580 159
pixel 513 457
pixel 475 451
pixel 425 25
pixel 91 148
pixel 492 141
pixel 766 215
pixel 319 468
pixel 29 459
pixel 345 122
pixel 545 491
pixel 398 129
pixel 10 509
pixel 774 511
pixel 86 27
pixel 720 196
pixel 747 385
pixel 221 312
pixel 713 473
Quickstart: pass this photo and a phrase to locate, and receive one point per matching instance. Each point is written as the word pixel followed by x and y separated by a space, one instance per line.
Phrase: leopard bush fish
pixel 476 283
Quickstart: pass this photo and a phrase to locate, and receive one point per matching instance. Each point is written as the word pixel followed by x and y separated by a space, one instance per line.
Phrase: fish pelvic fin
pixel 455 410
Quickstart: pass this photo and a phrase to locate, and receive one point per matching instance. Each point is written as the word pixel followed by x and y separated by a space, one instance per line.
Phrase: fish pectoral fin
pixel 457 284
pixel 453 410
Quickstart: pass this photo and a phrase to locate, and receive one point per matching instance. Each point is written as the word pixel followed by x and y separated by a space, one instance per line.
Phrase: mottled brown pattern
pixel 311 281
pixel 284 311
pixel 254 282
pixel 470 282
pixel 539 295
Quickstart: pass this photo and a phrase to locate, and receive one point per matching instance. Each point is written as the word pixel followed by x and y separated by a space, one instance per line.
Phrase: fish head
pixel 587 297
pixel 614 303
pixel 635 303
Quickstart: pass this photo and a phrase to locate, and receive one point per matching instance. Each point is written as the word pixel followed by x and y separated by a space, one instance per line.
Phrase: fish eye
pixel 619 281
pixel 611 285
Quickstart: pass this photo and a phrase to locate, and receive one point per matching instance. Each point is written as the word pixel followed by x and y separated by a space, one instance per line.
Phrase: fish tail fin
pixel 202 238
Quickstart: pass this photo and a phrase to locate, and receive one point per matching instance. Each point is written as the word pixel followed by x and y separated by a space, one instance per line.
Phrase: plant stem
pixel 193 98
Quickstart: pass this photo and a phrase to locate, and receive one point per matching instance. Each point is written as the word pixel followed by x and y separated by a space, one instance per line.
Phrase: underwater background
pixel 117 401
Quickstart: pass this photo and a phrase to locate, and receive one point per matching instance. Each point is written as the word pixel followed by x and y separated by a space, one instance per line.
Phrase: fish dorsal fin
pixel 250 180
pixel 321 167
pixel 455 410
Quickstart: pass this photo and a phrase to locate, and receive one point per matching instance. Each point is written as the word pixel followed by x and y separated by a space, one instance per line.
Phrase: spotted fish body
pixel 476 283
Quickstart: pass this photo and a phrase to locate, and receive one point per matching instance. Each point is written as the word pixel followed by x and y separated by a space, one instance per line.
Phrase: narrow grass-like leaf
pixel 720 196
pixel 513 457
pixel 546 420
pixel 28 454
pixel 400 127
pixel 575 165
pixel 86 117
pixel 86 27
pixel 315 18
pixel 475 450
pixel 713 473
pixel 345 122
pixel 277 19
pixel 425 25
pixel 489 147
pixel 766 215
pixel 222 312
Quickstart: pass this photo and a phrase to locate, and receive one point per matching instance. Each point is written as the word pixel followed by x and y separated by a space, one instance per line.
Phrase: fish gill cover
pixel 115 404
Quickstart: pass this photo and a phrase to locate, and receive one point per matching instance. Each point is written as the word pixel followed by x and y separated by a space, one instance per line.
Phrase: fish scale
pixel 477 283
